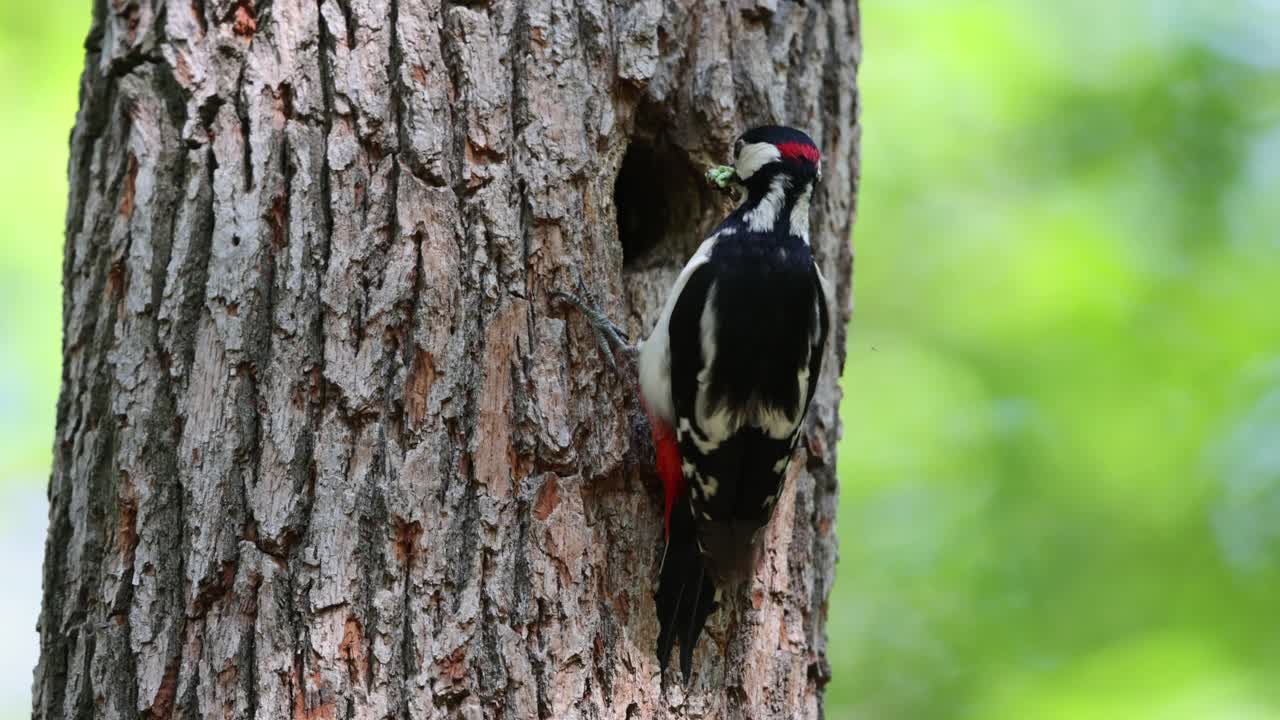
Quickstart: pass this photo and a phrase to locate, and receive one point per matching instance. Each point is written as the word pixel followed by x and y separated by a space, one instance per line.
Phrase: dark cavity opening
pixel 662 204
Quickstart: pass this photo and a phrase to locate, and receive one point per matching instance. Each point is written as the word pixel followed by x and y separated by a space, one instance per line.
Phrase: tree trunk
pixel 325 449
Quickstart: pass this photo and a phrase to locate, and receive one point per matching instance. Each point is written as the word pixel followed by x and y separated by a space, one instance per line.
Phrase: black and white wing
pixel 743 375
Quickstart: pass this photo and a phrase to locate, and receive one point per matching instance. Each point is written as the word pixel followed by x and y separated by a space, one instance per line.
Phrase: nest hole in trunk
pixel 664 205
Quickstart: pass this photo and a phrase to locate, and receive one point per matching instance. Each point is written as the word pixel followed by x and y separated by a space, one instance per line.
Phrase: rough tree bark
pixel 324 448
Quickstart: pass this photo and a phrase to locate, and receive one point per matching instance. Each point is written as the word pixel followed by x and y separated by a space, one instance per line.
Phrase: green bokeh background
pixel 1061 463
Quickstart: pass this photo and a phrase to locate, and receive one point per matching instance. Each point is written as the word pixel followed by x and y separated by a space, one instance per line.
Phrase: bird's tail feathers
pixel 686 594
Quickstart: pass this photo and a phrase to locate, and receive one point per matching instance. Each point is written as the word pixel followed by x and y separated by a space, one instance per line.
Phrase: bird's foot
pixel 611 338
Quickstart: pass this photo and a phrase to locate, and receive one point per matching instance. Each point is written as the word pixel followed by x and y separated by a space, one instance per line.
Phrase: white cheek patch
pixel 800 216
pixel 755 156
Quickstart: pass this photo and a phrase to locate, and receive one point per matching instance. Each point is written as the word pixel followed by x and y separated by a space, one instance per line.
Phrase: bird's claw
pixel 611 338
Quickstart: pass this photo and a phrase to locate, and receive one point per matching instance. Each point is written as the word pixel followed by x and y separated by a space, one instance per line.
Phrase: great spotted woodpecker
pixel 726 378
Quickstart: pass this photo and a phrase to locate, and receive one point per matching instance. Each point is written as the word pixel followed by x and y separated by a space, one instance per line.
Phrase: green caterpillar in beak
pixel 721 175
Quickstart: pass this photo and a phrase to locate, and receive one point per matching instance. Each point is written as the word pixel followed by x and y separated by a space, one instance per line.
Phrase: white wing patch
pixel 707 335
pixel 775 422
pixel 716 422
pixel 825 299
pixel 709 485
pixel 686 431
pixel 655 357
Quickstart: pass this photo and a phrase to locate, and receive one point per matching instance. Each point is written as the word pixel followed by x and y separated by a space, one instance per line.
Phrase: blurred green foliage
pixel 41 53
pixel 1061 460
pixel 1061 465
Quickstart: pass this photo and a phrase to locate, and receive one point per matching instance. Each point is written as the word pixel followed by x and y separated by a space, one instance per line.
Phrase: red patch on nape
pixel 800 151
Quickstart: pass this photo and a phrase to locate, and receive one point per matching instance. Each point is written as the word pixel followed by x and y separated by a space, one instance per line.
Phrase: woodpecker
pixel 726 377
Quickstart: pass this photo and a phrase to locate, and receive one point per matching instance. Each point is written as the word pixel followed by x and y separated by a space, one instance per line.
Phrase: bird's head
pixel 764 153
